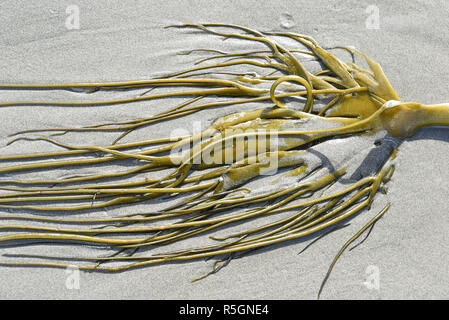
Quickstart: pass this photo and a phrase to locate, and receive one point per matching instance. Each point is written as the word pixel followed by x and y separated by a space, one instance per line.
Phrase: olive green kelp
pixel 307 150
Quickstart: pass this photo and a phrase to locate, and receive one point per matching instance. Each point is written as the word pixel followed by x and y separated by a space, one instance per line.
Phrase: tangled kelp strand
pixel 316 154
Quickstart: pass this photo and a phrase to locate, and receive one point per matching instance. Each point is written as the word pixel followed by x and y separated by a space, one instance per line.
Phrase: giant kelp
pixel 325 153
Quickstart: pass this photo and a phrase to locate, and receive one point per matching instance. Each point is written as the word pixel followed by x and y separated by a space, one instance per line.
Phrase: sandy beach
pixel 408 248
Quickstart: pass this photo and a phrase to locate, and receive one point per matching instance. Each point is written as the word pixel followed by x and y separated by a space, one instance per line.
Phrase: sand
pixel 125 40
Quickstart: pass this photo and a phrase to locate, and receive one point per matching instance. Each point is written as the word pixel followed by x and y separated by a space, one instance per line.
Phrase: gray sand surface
pixel 125 40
